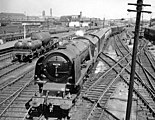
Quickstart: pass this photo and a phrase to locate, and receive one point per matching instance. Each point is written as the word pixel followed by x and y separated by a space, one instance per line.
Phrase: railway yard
pixel 77 68
pixel 103 95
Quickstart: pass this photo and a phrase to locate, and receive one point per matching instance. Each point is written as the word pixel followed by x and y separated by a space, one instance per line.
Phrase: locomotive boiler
pixel 61 73
pixel 26 50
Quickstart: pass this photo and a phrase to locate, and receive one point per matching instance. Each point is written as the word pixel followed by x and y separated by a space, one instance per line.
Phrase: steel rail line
pixel 136 93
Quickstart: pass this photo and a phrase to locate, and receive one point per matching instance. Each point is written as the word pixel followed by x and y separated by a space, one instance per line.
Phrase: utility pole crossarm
pixel 147 12
pixel 133 65
pixel 141 11
pixel 139 4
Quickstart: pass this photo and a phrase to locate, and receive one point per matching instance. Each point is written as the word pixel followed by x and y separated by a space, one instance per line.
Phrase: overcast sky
pixel 108 9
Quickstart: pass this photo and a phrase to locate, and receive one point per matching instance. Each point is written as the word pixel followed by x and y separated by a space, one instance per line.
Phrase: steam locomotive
pixel 27 49
pixel 61 73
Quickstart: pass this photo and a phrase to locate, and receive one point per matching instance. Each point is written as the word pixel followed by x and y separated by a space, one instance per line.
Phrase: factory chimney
pixel 80 14
pixel 43 13
pixel 51 12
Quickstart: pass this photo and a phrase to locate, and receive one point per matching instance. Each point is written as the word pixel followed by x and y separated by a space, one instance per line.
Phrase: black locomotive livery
pixel 60 73
pixel 27 49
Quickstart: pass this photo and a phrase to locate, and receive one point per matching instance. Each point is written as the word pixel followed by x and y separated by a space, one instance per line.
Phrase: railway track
pixel 16 92
pixel 143 83
pixel 11 68
pixel 98 91
pixel 147 62
pixel 14 96
pixel 100 85
pixel 5 57
pixel 5 65
pixel 107 84
pixel 141 89
pixel 5 61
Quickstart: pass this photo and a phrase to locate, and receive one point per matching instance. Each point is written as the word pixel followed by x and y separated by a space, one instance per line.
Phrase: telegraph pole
pixel 136 38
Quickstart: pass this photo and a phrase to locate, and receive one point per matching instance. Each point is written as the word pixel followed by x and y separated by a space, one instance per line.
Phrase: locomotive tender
pixel 61 73
pixel 26 50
